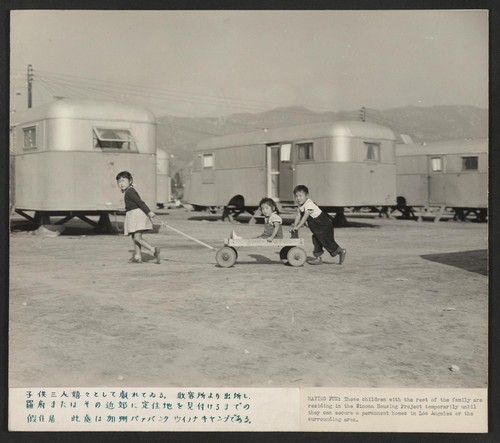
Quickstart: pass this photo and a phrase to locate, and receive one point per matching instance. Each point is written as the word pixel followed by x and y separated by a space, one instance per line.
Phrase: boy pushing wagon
pixel 319 223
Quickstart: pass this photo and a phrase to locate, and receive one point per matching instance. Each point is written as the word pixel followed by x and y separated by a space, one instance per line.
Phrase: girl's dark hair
pixel 301 188
pixel 125 174
pixel 270 202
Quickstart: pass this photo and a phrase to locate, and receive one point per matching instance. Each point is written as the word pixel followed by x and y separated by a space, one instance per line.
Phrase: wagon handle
pixel 186 235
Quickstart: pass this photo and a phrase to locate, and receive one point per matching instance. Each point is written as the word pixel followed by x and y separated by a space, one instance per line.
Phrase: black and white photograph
pixel 248 199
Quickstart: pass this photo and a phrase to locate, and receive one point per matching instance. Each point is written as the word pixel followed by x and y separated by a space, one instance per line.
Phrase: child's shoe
pixel 342 254
pixel 157 255
pixel 316 261
pixel 135 259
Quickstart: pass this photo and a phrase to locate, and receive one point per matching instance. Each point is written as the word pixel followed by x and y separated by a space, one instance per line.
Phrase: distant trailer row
pixel 451 174
pixel 344 164
pixel 65 157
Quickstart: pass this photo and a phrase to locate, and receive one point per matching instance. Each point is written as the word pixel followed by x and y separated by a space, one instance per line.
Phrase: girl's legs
pixel 137 247
pixel 139 241
pixel 137 250
pixel 137 236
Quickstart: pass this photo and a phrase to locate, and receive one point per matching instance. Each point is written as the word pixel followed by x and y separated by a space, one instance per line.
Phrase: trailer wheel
pixel 235 207
pixel 284 253
pixel 296 256
pixel 226 257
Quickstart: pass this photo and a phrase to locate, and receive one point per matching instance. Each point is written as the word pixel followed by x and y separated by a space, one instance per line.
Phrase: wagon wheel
pixel 296 256
pixel 284 253
pixel 226 257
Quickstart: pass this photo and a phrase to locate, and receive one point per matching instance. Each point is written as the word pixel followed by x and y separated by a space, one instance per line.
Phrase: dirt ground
pixel 409 302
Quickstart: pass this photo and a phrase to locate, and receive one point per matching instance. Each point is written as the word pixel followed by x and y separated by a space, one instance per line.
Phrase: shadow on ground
pixel 259 260
pixel 71 228
pixel 473 261
pixel 207 217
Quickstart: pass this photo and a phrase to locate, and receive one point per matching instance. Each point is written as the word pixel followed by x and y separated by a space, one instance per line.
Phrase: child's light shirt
pixel 311 207
pixel 269 226
pixel 274 218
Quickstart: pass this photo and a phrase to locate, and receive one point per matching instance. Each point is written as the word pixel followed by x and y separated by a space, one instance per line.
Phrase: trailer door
pixel 286 173
pixel 436 179
pixel 273 171
pixel 280 172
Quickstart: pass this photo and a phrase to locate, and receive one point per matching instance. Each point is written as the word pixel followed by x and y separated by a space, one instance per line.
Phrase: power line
pixel 190 97
pixel 199 99
pixel 118 92
pixel 81 87
pixel 122 95
pixel 225 100
pixel 69 93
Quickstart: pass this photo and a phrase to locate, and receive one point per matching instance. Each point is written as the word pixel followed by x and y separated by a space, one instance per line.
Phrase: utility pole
pixel 30 83
pixel 362 114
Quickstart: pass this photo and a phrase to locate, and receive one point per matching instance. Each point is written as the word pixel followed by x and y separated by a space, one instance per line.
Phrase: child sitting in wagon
pixel 272 222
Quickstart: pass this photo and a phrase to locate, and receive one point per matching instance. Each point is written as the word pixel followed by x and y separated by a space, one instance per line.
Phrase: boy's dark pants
pixel 323 236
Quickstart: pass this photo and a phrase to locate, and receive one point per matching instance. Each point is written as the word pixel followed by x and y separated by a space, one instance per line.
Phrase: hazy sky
pixel 220 62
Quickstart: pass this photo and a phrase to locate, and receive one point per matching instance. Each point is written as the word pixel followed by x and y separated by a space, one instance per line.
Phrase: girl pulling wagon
pixel 137 219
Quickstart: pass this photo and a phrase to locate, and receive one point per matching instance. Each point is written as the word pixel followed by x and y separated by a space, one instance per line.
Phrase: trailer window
pixel 285 152
pixel 29 138
pixel 207 168
pixel 469 164
pixel 114 139
pixel 208 161
pixel 373 151
pixel 304 151
pixel 436 164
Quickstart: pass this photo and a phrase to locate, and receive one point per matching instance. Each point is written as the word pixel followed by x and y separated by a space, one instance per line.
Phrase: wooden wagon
pixel 291 251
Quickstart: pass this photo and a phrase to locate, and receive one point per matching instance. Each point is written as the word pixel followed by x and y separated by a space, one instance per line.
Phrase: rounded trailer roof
pixel 442 148
pixel 85 109
pixel 300 132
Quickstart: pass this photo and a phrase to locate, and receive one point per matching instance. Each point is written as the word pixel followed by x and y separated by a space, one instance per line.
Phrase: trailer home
pixel 66 156
pixel 452 174
pixel 346 163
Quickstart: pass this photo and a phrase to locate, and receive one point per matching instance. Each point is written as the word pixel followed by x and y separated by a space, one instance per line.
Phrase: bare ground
pixel 409 302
